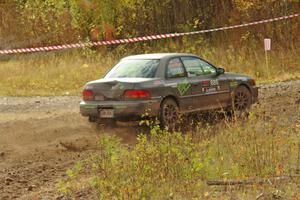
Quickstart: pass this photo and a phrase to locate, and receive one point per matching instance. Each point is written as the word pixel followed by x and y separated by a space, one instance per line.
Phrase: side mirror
pixel 220 71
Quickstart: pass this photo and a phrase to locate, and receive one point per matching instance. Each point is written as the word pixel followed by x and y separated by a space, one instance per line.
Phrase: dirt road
pixel 41 137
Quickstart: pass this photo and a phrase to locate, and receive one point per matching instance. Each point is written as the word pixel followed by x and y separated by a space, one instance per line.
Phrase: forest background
pixel 34 23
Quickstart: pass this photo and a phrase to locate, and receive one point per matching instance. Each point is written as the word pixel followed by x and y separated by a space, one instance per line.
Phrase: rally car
pixel 164 86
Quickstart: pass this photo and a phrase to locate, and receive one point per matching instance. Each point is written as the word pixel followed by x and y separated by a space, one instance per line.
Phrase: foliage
pixel 28 23
pixel 41 22
pixel 165 165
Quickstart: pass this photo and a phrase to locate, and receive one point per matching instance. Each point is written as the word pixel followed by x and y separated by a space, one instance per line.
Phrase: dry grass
pixel 50 74
pixel 65 73
pixel 166 165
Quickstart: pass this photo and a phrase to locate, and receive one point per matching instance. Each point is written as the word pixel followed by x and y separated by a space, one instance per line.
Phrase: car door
pixel 177 83
pixel 209 90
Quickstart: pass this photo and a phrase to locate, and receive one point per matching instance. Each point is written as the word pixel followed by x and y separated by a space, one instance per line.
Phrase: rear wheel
pixel 169 114
pixel 242 100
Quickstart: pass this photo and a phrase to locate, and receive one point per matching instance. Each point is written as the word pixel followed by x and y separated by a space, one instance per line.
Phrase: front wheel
pixel 242 100
pixel 169 114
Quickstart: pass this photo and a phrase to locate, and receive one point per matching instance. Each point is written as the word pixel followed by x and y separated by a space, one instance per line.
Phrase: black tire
pixel 169 114
pixel 242 100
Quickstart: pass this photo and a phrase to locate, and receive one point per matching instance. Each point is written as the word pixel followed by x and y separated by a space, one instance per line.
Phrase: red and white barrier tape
pixel 136 39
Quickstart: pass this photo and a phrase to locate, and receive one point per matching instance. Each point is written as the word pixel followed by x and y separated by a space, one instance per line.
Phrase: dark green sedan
pixel 165 85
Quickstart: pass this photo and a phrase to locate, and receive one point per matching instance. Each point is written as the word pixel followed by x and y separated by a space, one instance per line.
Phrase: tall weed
pixel 175 165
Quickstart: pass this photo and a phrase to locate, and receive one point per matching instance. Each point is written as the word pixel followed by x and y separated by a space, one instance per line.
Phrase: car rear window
pixel 140 68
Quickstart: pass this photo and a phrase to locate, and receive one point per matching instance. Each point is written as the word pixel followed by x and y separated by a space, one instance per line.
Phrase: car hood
pixel 236 76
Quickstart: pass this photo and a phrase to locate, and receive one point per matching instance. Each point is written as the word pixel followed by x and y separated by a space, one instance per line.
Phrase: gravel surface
pixel 41 137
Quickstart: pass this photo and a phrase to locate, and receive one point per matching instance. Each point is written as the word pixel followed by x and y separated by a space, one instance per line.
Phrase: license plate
pixel 106 113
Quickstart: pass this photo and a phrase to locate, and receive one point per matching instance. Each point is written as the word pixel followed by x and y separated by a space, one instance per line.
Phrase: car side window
pixel 197 67
pixel 175 68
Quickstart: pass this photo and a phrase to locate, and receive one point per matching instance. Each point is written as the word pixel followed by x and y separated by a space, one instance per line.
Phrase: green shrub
pixel 174 165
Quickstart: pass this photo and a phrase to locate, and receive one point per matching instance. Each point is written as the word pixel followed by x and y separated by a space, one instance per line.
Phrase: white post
pixel 267 43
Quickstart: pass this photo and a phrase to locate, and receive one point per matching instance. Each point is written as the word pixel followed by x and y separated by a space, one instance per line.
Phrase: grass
pixel 49 75
pixel 65 73
pixel 165 165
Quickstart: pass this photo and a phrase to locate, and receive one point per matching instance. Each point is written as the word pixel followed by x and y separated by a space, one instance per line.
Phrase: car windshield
pixel 145 68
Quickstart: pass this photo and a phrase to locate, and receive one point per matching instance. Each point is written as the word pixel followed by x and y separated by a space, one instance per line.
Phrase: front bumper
pixel 127 110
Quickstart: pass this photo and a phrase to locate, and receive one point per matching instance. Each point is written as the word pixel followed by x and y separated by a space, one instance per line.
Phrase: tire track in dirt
pixel 40 137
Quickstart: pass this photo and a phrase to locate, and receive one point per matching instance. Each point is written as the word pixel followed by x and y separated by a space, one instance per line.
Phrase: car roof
pixel 156 56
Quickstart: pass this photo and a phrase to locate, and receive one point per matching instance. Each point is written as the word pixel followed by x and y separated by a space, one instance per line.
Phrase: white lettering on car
pixel 214 82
